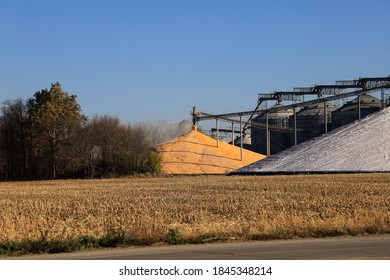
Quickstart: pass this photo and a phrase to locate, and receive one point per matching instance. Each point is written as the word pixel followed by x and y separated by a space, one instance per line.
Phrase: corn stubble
pixel 197 207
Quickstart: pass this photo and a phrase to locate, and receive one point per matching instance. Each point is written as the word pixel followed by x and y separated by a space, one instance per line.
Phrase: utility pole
pixel 268 138
pixel 241 138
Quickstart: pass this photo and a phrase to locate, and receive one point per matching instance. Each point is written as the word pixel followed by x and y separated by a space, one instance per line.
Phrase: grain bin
pixel 350 111
pixel 311 120
pixel 278 122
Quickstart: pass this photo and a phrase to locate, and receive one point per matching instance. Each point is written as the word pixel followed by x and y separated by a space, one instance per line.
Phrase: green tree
pixel 155 161
pixel 55 118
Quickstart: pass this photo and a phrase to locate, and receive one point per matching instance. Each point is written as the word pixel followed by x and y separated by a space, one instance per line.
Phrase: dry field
pixel 197 207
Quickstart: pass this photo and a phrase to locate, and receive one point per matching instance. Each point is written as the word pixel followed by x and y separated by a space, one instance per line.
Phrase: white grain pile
pixel 363 146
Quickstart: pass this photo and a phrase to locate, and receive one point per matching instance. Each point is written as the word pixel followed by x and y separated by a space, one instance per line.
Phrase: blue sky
pixel 153 60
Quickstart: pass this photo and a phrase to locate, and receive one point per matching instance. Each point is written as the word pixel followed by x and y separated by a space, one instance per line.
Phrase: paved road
pixel 375 247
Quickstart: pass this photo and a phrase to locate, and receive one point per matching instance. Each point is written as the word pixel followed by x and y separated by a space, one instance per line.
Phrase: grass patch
pixel 173 237
pixel 66 246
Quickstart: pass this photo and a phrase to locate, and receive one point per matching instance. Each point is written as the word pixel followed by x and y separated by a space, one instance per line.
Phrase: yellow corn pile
pixel 196 153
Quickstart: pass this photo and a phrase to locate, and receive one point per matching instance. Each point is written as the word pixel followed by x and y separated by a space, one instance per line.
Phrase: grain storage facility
pixel 196 153
pixel 311 119
pixel 310 122
pixel 350 111
pixel 246 142
pixel 274 129
pixel 280 139
pixel 362 146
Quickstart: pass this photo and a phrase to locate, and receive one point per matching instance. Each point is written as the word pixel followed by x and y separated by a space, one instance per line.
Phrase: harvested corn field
pixel 196 153
pixel 202 208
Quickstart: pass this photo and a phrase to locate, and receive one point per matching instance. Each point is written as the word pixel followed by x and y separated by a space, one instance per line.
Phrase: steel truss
pixel 340 90
pixel 337 91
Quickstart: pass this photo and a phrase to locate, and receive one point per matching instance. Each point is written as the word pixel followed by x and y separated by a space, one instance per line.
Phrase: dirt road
pixel 374 247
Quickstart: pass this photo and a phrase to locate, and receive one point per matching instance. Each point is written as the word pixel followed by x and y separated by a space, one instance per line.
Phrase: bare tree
pixel 14 137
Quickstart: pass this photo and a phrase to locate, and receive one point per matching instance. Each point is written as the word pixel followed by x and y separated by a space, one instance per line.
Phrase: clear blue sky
pixel 152 60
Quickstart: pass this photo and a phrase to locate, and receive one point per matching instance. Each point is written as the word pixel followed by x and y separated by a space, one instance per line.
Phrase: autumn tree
pixel 55 118
pixel 48 137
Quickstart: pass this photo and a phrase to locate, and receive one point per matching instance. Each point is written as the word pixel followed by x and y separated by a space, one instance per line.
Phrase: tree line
pixel 48 137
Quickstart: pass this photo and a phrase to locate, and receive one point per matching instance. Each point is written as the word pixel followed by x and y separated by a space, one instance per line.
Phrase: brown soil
pixel 196 153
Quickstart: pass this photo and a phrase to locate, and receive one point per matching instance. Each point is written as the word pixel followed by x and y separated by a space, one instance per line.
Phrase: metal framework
pixel 337 91
pixel 340 90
